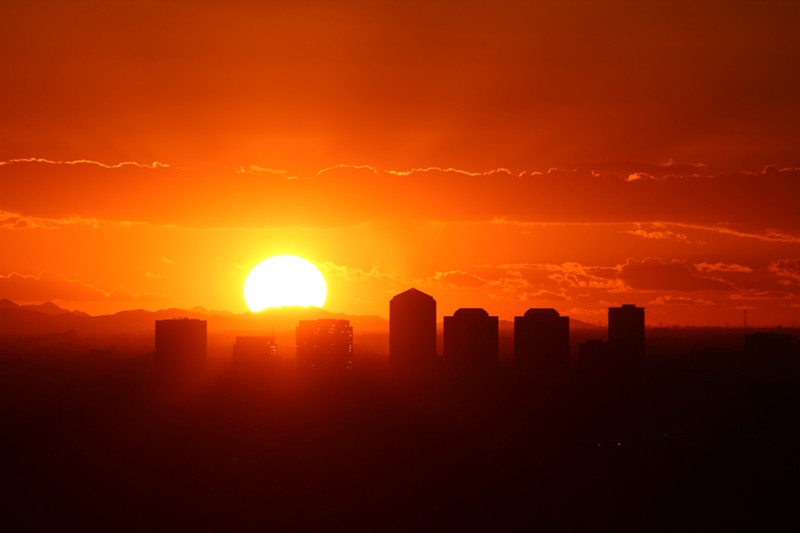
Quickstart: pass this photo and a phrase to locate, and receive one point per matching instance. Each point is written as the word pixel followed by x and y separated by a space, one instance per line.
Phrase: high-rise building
pixel 541 342
pixel 471 341
pixel 412 331
pixel 181 344
pixel 325 345
pixel 768 344
pixel 592 354
pixel 626 332
pixel 769 355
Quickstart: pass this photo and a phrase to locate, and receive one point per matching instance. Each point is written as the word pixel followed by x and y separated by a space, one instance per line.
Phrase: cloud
pixel 636 176
pixel 671 170
pixel 659 230
pixel 664 230
pixel 576 275
pixel 48 285
pixel 513 282
pixel 166 260
pixel 657 274
pixel 766 236
pixel 679 300
pixel 17 221
pixel 458 279
pixel 343 168
pixel 256 169
pixel 721 267
pixel 353 274
pixel 659 235
pixel 678 200
pixel 544 295
pixel 554 278
pixel 39 160
pixel 9 220
pixel 755 294
pixel 787 271
pixel 557 172
pixel 450 170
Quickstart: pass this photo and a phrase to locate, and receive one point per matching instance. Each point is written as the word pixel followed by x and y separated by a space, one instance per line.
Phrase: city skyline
pixel 599 320
pixel 470 340
pixel 508 265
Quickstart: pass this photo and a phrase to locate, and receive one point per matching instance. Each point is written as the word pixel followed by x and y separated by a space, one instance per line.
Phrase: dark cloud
pixel 757 205
pixel 46 285
pixel 659 275
pixel 787 271
pixel 669 299
pixel 767 295
pixel 579 276
pixel 49 286
pixel 722 267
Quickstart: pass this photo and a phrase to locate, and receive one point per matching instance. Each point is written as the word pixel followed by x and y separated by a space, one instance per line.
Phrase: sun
pixel 284 280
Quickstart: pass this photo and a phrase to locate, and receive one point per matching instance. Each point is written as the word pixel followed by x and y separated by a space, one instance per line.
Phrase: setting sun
pixel 284 280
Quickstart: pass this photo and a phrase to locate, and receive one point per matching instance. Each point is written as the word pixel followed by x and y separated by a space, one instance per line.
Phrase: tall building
pixel 471 341
pixel 541 342
pixel 626 332
pixel 592 354
pixel 769 355
pixel 181 344
pixel 325 345
pixel 412 331
pixel 768 344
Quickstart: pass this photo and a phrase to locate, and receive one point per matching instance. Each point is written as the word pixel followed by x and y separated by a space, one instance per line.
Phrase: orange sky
pixel 508 155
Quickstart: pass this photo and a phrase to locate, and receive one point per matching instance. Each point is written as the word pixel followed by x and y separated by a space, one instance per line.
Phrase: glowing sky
pixel 508 155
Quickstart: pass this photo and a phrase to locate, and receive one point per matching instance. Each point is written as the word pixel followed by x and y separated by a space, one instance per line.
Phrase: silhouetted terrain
pixel 703 436
pixel 19 320
pixel 101 439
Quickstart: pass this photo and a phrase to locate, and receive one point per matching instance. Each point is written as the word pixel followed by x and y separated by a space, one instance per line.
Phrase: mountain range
pixel 48 318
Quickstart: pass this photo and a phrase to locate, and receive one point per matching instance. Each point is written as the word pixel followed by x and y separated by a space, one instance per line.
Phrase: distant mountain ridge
pixel 5 303
pixel 48 317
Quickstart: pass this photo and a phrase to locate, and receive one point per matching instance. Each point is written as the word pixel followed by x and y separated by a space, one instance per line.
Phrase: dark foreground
pixel 113 445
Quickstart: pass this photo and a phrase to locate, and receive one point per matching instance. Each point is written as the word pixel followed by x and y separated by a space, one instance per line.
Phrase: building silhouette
pixel 412 331
pixel 325 345
pixel 471 341
pixel 626 333
pixel 254 352
pixel 592 354
pixel 541 343
pixel 768 354
pixel 767 344
pixel 181 344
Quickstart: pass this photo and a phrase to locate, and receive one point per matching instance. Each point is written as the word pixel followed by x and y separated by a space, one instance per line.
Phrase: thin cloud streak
pixel 17 221
pixel 766 237
pixel 556 195
pixel 50 285
pixel 451 170
pixel 153 165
